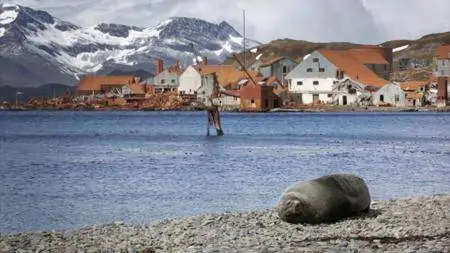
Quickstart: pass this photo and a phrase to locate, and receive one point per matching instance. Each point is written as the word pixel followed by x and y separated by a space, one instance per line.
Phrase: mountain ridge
pixel 37 48
pixel 35 40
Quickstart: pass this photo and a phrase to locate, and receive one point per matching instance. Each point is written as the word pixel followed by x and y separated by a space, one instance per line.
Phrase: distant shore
pixel 415 224
pixel 305 109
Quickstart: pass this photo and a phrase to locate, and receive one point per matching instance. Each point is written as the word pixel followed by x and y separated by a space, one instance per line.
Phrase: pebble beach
pixel 415 224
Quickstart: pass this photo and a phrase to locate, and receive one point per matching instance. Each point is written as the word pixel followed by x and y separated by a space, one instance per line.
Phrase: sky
pixel 360 21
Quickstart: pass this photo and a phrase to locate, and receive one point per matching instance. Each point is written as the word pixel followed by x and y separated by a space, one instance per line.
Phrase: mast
pixel 243 16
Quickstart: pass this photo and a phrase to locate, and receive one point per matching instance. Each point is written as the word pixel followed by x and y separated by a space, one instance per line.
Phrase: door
pixel 315 98
pixel 344 100
pixel 275 103
pixel 447 85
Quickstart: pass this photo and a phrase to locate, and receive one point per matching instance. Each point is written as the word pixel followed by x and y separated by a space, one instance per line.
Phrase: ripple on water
pixel 65 169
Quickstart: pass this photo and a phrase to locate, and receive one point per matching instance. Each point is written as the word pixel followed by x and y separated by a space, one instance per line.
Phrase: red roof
pixel 95 83
pixel 412 85
pixel 353 67
pixel 136 89
pixel 272 61
pixel 368 55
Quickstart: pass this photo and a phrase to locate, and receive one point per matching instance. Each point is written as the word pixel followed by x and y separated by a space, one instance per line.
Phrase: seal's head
pixel 291 209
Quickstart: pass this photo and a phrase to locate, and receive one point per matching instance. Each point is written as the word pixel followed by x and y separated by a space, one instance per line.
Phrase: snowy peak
pixel 195 28
pixel 117 30
pixel 73 50
pixel 24 16
pixel 227 28
pixel 26 21
pixel 8 13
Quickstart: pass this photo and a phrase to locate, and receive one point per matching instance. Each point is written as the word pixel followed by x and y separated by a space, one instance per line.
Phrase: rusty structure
pixel 212 110
pixel 213 115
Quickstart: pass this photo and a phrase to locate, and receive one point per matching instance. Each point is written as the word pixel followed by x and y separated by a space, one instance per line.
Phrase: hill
pixel 420 51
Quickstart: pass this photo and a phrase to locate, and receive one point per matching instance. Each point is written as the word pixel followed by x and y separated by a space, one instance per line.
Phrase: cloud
pixel 362 21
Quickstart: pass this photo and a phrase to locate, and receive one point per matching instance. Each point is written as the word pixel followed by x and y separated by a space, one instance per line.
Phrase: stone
pixel 148 250
pixel 325 199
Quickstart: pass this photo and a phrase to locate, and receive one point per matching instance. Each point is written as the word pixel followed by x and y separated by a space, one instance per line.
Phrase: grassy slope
pixel 422 48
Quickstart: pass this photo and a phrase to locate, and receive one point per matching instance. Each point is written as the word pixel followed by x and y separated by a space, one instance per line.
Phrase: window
pixel 330 95
pixel 284 69
pixel 163 81
pixel 299 83
pixel 309 70
pixel 385 67
pixel 252 101
pixel 397 98
pixel 339 74
pixel 381 98
pixel 173 81
pixel 316 82
pixel 316 60
pixel 321 69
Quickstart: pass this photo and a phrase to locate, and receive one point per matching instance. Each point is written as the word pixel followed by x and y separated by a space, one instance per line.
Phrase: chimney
pixel 205 60
pixel 178 65
pixel 159 66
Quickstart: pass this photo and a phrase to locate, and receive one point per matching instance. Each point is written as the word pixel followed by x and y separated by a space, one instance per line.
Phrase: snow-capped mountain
pixel 43 49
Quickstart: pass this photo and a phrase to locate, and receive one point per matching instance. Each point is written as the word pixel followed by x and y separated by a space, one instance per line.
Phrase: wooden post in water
pixel 208 123
pixel 212 110
pixel 213 115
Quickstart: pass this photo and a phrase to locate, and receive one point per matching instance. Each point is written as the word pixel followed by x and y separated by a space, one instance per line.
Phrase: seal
pixel 325 199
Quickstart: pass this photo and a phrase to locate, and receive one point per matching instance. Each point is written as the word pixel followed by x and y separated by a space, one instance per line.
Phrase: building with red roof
pixel 363 69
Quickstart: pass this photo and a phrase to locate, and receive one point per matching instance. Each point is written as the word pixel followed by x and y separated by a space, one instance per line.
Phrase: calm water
pixel 70 169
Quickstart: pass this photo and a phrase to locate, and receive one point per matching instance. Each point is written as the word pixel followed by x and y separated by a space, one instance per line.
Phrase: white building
pixel 190 81
pixel 390 94
pixel 315 79
pixel 349 92
pixel 312 80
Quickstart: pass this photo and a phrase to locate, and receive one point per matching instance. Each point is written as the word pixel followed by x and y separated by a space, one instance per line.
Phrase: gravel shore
pixel 416 224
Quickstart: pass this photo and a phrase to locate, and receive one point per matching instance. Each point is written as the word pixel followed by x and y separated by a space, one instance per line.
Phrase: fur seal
pixel 325 199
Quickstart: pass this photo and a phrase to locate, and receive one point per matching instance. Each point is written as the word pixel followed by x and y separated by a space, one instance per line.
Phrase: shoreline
pixel 418 223
pixel 330 109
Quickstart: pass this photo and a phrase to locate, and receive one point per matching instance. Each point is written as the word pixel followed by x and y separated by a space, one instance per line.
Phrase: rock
pixel 148 250
pixel 325 199
pixel 423 219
